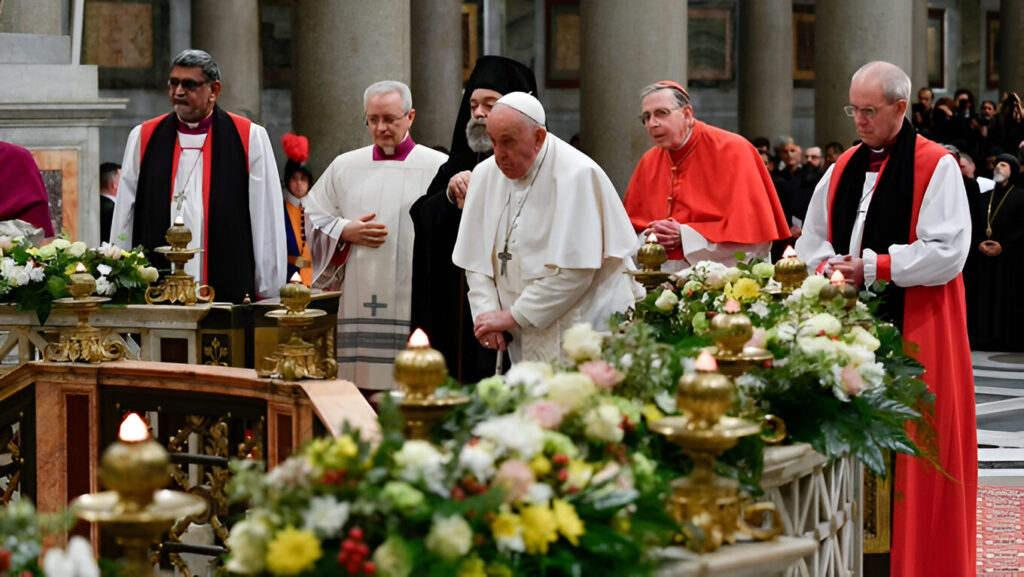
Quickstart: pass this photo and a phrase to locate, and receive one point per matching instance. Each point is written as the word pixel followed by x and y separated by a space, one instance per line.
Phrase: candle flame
pixel 179 220
pixel 706 362
pixel 418 339
pixel 790 252
pixel 133 429
pixel 652 237
pixel 295 278
pixel 838 278
pixel 81 268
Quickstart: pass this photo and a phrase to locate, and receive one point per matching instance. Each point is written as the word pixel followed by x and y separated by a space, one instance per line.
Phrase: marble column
pixel 436 69
pixel 1011 48
pixel 848 35
pixel 766 68
pixel 919 58
pixel 339 49
pixel 31 17
pixel 968 66
pixel 625 47
pixel 230 31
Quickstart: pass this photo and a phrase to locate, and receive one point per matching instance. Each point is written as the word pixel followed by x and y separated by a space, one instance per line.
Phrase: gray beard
pixel 476 135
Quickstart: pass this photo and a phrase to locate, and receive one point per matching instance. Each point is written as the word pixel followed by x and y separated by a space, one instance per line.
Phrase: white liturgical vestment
pixel 569 243
pixel 376 298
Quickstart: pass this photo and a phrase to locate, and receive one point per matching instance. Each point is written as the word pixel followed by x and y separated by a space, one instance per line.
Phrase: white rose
pixel 248 545
pixel 514 434
pixel 582 343
pixel 103 269
pixel 732 274
pixel 667 300
pixel 449 537
pixel 530 375
pixel 864 339
pixel 478 459
pixel 812 285
pixel 60 243
pixel 21 276
pixel 104 287
pixel 419 461
pixel 35 273
pixel 77 249
pixel 821 322
pixel 604 423
pixel 326 516
pixel 111 251
pixel 570 389
pixel 48 251
pixel 149 273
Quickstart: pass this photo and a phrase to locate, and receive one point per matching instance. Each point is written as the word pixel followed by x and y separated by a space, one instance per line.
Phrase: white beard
pixel 998 178
pixel 476 135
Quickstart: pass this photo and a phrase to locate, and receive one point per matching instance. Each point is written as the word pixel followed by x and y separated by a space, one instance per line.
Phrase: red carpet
pixel 1000 531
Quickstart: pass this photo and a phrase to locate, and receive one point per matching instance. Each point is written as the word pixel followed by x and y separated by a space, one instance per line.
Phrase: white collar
pixel 292 199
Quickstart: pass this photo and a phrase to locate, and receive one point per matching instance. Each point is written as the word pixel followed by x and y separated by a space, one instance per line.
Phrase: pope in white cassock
pixel 217 171
pixel 363 235
pixel 544 238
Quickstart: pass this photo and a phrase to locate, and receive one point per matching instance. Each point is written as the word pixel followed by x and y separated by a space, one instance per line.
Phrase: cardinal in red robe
pixel 22 194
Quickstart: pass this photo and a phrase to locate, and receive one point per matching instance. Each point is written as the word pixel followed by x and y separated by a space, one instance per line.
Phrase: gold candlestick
pixel 180 287
pixel 704 500
pixel 731 330
pixel 419 370
pixel 651 256
pixel 136 509
pixel 82 343
pixel 297 358
pixel 790 271
pixel 838 287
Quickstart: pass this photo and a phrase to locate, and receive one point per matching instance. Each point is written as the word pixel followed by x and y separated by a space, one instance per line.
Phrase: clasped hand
pixel 852 268
pixel 489 327
pixel 667 231
pixel 365 232
pixel 990 248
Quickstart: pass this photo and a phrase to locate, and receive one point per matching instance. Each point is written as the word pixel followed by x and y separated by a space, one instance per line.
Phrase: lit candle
pixel 295 278
pixel 418 340
pixel 790 252
pixel 706 362
pixel 652 237
pixel 179 220
pixel 419 369
pixel 133 429
pixel 81 268
pixel 837 278
pixel 731 306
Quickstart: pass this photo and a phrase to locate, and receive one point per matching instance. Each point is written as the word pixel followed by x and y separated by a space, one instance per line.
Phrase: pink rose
pixel 853 384
pixel 547 414
pixel 516 477
pixel 603 374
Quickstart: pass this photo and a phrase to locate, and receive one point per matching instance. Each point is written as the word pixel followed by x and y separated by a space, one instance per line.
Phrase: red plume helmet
pixel 296 147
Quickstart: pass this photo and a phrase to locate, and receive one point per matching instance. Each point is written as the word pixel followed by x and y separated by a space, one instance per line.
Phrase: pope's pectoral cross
pixel 373 305
pixel 504 256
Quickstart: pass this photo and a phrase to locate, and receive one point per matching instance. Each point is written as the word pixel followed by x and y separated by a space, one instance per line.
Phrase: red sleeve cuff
pixel 883 267
pixel 821 267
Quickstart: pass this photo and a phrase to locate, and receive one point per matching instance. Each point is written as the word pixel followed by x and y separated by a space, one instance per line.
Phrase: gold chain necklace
pixel 990 216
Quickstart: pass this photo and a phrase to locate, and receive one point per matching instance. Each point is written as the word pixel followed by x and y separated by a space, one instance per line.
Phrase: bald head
pixel 516 138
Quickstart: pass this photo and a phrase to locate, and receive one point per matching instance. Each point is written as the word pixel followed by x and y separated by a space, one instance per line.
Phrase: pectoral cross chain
pixel 504 256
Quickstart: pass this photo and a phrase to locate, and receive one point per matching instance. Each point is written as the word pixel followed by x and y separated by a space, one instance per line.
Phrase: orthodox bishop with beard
pixel 545 241
pixel 439 303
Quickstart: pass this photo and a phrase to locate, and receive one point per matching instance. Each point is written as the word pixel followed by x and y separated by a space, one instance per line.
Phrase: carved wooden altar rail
pixel 64 415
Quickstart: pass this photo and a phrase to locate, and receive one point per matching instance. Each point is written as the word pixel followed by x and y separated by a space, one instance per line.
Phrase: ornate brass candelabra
pixel 83 343
pixel 136 509
pixel 179 287
pixel 651 256
pixel 708 505
pixel 419 370
pixel 790 271
pixel 838 287
pixel 731 330
pixel 296 359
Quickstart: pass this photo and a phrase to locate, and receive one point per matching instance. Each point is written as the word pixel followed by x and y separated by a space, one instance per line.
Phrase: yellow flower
pixel 539 528
pixel 541 465
pixel 578 474
pixel 347 446
pixel 569 523
pixel 505 525
pixel 70 268
pixel 292 551
pixel 652 413
pixel 472 567
pixel 746 288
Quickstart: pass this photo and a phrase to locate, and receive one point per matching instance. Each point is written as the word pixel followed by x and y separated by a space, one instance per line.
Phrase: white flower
pixel 103 269
pixel 104 287
pixel 872 373
pixel 626 361
pixel 35 273
pixel 111 251
pixel 763 270
pixel 248 544
pixel 478 459
pixel 326 516
pixel 821 322
pixel 667 300
pixel 76 561
pixel 48 251
pixel 515 435
pixel 604 423
pixel 812 285
pixel 21 276
pixel 538 494
pixel 449 537
pixel 77 249
pixel 148 273
pixel 665 401
pixel 732 274
pixel 569 390
pixel 582 343
pixel 5 242
pixel 530 375
pixel 419 461
pixel 759 308
pixel 863 338
pixel 293 472
pixel 61 244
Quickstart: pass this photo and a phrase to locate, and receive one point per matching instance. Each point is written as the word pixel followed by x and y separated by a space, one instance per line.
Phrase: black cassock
pixel 995 307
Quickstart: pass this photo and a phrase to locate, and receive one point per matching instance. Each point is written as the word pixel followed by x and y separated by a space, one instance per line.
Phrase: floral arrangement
pixel 21 535
pixel 536 475
pixel 841 379
pixel 32 277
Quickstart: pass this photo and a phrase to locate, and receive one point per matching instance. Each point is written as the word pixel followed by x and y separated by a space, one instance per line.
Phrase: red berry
pixel 5 559
pixel 560 459
pixel 362 549
pixel 352 568
pixel 458 494
pixel 349 546
pixel 356 534
pixel 369 568
pixel 563 475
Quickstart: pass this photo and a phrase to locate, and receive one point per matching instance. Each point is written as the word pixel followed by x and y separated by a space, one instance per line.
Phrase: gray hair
pixel 895 82
pixel 387 87
pixel 682 99
pixel 192 58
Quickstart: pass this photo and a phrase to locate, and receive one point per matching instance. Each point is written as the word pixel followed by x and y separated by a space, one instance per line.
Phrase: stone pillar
pixel 230 31
pixel 919 59
pixel 848 35
pixel 968 66
pixel 766 68
pixel 625 47
pixel 1011 48
pixel 436 69
pixel 31 17
pixel 344 47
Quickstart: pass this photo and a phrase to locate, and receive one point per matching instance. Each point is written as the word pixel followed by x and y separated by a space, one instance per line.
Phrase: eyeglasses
pixel 389 120
pixel 187 83
pixel 867 112
pixel 661 114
